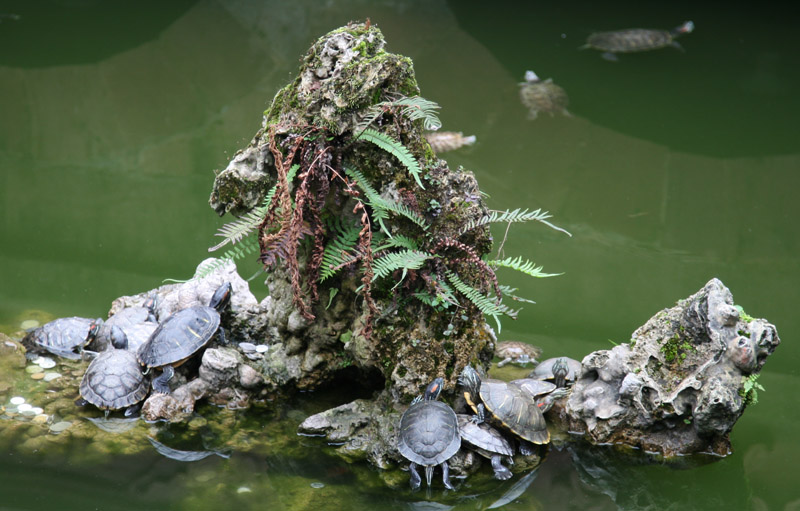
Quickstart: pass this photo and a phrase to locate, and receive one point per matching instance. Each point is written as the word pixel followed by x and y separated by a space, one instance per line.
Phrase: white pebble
pixel 37 411
pixel 18 400
pixel 46 363
pixel 318 485
pixel 58 427
pixel 261 348
pixel 243 489
pixel 24 407
pixel 51 376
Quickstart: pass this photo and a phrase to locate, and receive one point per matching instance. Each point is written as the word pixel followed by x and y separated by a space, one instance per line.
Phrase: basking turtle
pixel 63 336
pixel 560 370
pixel 488 442
pixel 114 379
pixel 544 392
pixel 542 96
pixel 429 435
pixel 508 405
pixel 182 335
pixel 517 352
pixel 635 39
pixel 138 324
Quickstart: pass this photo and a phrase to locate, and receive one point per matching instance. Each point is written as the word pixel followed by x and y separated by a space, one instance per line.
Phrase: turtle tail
pixel 429 474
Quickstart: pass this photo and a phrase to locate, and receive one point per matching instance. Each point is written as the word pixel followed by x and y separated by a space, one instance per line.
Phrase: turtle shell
pixel 516 350
pixel 114 380
pixel 544 371
pixel 129 320
pixel 543 96
pixel 533 386
pixel 180 336
pixel 515 409
pixel 429 433
pixel 483 436
pixel 62 336
pixel 631 40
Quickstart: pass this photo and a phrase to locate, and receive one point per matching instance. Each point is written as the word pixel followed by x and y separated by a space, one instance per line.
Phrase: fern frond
pixel 234 231
pixel 398 241
pixel 340 250
pixel 394 148
pixel 414 107
pixel 381 205
pixel 514 216
pixel 526 267
pixel 509 292
pixel 405 260
pixel 248 246
pixel 485 304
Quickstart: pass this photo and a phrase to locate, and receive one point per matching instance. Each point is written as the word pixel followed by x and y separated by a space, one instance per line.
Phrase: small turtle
pixel 542 96
pixel 488 442
pixel 508 405
pixel 182 335
pixel 114 379
pixel 443 141
pixel 635 39
pixel 429 435
pixel 560 370
pixel 63 336
pixel 138 324
pixel 517 352
pixel 544 392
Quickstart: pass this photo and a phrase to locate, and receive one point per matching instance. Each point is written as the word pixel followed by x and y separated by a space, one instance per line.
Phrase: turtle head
pixel 118 338
pixel 94 327
pixel 150 305
pixel 531 77
pixel 560 372
pixel 222 297
pixel 684 29
pixel 470 380
pixel 434 389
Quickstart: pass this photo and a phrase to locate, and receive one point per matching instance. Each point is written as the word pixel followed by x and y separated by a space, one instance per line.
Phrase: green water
pixel 674 168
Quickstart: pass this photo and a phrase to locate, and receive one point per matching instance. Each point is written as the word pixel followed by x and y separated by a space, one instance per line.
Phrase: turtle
pixel 518 352
pixel 443 141
pixel 429 435
pixel 114 379
pixel 63 336
pixel 542 96
pixel 138 324
pixel 544 392
pixel 508 405
pixel 560 369
pixel 488 442
pixel 182 335
pixel 635 39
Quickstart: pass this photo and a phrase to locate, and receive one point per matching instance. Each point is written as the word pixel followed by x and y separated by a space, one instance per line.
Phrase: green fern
pixel 509 292
pixel 397 241
pixel 248 246
pixel 514 216
pixel 526 267
pixel 234 231
pixel 395 148
pixel 414 107
pixel 405 260
pixel 382 206
pixel 484 303
pixel 339 250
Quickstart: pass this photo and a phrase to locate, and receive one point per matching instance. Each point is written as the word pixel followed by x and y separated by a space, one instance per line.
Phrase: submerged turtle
pixel 442 141
pixel 114 379
pixel 507 404
pixel 488 442
pixel 517 352
pixel 635 39
pixel 182 335
pixel 63 336
pixel 542 96
pixel 138 324
pixel 560 370
pixel 429 435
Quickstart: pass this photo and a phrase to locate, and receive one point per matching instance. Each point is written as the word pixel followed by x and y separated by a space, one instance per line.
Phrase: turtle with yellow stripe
pixel 507 405
pixel 182 335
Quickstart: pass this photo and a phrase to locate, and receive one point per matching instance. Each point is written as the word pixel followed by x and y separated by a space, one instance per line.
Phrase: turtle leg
pixel 81 402
pixel 221 334
pixel 446 476
pixel 500 472
pixel 133 410
pixel 480 415
pixel 429 474
pixel 161 384
pixel 504 362
pixel 415 479
pixel 525 448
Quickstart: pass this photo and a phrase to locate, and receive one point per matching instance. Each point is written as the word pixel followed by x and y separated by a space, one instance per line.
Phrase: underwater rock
pixel 679 386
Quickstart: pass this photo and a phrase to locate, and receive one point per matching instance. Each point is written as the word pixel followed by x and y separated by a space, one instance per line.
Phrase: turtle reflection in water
pixel 635 40
pixel 429 435
pixel 542 96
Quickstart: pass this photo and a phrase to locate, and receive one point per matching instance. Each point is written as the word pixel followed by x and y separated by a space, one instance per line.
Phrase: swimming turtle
pixel 542 96
pixel 182 335
pixel 138 323
pixel 635 39
pixel 561 370
pixel 518 352
pixel 63 336
pixel 429 435
pixel 114 379
pixel 488 442
pixel 508 405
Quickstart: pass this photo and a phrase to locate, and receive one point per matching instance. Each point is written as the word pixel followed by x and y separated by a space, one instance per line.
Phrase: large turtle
pixel 429 435
pixel 542 96
pixel 138 324
pixel 182 335
pixel 508 405
pixel 63 336
pixel 488 442
pixel 560 370
pixel 517 352
pixel 114 379
pixel 635 39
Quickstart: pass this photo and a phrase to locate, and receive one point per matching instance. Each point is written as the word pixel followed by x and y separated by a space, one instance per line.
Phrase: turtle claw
pixel 446 476
pixel 161 384
pixel 416 480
